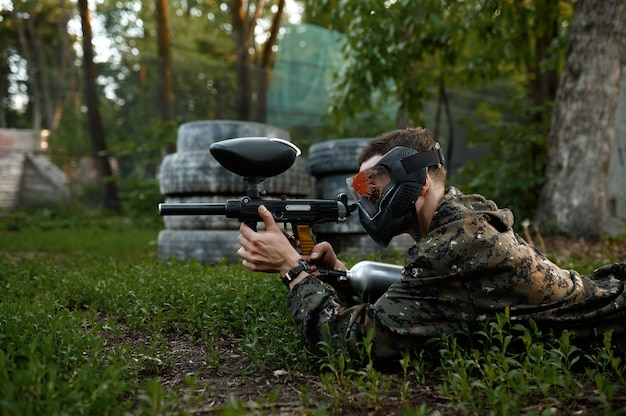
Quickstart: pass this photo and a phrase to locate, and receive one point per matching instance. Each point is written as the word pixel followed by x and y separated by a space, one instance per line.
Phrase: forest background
pixel 90 320
pixel 114 80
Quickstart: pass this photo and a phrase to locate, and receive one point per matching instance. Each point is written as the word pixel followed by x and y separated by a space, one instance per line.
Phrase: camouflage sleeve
pixel 322 318
pixel 318 313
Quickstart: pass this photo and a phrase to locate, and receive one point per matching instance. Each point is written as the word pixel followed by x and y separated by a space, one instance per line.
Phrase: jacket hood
pixel 457 206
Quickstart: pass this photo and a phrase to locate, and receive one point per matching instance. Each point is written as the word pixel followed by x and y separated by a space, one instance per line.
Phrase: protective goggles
pixel 369 188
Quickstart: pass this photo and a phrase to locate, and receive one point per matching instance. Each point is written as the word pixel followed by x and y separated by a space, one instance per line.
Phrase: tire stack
pixel 331 162
pixel 193 175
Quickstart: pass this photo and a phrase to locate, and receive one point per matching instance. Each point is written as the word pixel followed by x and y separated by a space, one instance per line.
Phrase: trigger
pixel 292 239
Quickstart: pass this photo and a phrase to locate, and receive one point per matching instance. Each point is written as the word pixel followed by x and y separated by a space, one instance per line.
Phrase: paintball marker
pixel 255 159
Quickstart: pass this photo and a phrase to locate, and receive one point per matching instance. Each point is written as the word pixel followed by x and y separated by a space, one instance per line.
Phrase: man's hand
pixel 270 251
pixel 324 256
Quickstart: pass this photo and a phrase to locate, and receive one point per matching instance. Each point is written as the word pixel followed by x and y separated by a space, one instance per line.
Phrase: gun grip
pixel 305 239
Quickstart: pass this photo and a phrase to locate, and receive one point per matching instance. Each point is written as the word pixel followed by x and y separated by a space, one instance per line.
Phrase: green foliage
pixel 513 365
pixel 202 53
pixel 69 286
pixel 140 197
pixel 76 232
pixel 139 161
pixel 506 368
pixel 425 44
pixel 80 292
pixel 36 31
pixel 204 80
pixel 512 173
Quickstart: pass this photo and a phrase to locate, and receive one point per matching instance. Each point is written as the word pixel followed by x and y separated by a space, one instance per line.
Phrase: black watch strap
pixel 291 274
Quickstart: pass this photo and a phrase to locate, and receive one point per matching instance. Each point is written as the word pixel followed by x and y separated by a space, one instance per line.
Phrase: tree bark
pixel 34 90
pixel 164 101
pixel 573 198
pixel 266 64
pixel 33 34
pixel 242 44
pixel 534 41
pixel 108 187
pixel 244 21
pixel 66 74
pixel 165 71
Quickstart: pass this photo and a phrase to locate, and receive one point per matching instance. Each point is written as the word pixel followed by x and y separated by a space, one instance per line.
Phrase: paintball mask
pixel 388 190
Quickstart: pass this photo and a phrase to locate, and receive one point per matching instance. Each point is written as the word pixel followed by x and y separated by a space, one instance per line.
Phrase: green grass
pixel 73 288
pixel 63 288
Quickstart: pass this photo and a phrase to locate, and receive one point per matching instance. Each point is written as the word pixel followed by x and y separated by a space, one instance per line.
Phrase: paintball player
pixel 466 266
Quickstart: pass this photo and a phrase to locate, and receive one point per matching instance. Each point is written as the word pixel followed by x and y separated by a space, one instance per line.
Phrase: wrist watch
pixel 291 274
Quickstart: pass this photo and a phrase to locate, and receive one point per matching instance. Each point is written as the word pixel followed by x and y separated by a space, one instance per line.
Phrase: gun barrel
pixel 190 208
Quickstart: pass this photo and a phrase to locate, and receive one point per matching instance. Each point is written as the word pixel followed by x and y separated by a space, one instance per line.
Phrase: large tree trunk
pixel 615 221
pixel 108 187
pixel 583 124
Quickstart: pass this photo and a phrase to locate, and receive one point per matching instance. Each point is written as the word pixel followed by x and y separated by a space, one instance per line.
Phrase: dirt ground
pixel 564 247
pixel 234 376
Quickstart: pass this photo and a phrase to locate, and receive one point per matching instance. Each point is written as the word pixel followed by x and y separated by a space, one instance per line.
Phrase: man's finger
pixel 319 251
pixel 245 231
pixel 268 219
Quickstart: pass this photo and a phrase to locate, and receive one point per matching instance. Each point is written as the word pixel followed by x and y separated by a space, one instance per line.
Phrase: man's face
pixel 370 186
pixel 371 181
pixel 378 183
pixel 370 162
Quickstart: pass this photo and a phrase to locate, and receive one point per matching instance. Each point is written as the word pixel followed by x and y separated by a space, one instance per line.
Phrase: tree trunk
pixel 108 187
pixel 34 90
pixel 165 72
pixel 164 102
pixel 243 60
pixel 583 122
pixel 243 32
pixel 3 99
pixel 265 69
pixel 47 99
pixel 41 63
pixel 544 82
pixel 262 86
pixel 534 40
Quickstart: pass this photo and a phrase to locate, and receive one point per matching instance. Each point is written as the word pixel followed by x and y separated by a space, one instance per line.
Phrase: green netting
pixel 308 56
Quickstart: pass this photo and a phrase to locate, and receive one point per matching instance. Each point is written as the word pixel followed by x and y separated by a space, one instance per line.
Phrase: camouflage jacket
pixel 469 267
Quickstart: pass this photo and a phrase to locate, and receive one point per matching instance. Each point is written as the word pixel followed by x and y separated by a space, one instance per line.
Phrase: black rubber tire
pixel 199 135
pixel 214 246
pixel 198 173
pixel 207 247
pixel 328 187
pixel 335 156
pixel 331 185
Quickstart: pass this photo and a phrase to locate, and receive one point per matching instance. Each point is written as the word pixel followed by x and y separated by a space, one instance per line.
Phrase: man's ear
pixel 426 185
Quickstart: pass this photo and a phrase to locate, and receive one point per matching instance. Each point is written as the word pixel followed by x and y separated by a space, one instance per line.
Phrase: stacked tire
pixel 193 175
pixel 330 163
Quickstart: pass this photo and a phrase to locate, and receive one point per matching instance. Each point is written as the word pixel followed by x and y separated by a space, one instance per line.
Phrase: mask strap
pixel 422 160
